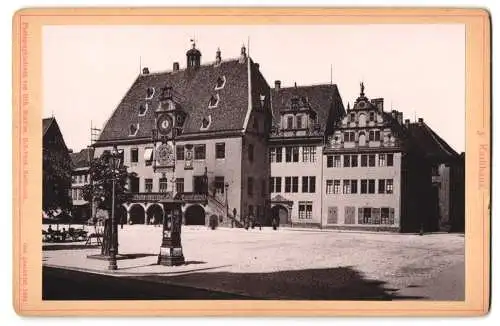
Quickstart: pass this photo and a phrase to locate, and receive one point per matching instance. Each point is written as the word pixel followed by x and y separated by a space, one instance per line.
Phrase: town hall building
pixel 218 138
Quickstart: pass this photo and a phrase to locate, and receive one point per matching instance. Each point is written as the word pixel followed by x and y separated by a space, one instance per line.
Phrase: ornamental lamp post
pixel 116 162
pixel 227 203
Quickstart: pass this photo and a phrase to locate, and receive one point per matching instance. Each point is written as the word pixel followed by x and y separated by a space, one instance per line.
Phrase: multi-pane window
pixel 346 189
pixel 382 160
pixel 349 136
pixel 288 154
pixel 371 186
pixel 367 215
pixel 329 186
pixel 148 185
pixel 295 184
pixel 381 186
pixel 305 210
pixel 350 186
pixel 371 160
pixel 364 186
pixel 179 185
pixel 279 154
pixel 352 117
pixel 329 161
pixel 374 135
pixel 309 184
pixel 347 161
pixel 289 123
pixel 275 184
pixel 295 154
pixel 372 116
pixel 390 159
pixel 386 215
pixel 272 154
pixel 309 154
pixel 389 186
pixel 220 150
pixel 299 122
pixel 148 156
pixel 291 154
pixel 288 184
pixel 250 152
pixel 199 152
pixel 134 155
pixel 86 178
pixel 250 186
pixel 336 186
pixel 354 186
pixel 336 161
pixel 364 160
pixel 179 152
pixel 163 184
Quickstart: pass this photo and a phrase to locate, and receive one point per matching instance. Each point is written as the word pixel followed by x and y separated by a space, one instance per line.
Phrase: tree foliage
pixel 101 186
pixel 56 181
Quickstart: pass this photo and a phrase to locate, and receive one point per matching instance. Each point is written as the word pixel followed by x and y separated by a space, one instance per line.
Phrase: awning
pixel 148 154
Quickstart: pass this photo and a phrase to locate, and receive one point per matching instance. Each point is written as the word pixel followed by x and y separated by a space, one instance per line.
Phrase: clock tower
pixel 169 120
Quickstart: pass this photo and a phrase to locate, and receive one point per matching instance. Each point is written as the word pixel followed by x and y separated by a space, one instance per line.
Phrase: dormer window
pixel 133 129
pixel 205 123
pixel 143 108
pixel 149 93
pixel 372 116
pixel 221 81
pixel 166 93
pixel 214 100
pixel 352 117
pixel 299 122
pixel 295 103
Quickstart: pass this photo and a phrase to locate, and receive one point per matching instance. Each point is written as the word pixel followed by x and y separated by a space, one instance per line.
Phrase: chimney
pixel 243 54
pixel 145 71
pixel 277 85
pixel 420 121
pixel 176 66
pixel 218 58
pixel 407 123
pixel 400 118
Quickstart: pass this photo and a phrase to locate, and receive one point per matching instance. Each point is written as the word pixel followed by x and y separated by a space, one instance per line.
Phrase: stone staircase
pixel 216 207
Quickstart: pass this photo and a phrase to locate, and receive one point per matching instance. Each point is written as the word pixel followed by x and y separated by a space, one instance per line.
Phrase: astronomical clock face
pixel 165 155
pixel 164 124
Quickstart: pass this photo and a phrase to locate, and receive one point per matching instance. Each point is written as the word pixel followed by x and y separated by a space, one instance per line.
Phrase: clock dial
pixel 164 124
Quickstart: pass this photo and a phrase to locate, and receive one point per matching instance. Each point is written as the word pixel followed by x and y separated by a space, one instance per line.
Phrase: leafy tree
pixel 56 182
pixel 100 190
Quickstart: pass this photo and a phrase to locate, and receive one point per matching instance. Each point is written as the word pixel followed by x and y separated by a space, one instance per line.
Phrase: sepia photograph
pixel 253 162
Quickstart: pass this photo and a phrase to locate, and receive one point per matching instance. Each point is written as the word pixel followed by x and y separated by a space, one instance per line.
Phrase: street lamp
pixel 227 204
pixel 116 162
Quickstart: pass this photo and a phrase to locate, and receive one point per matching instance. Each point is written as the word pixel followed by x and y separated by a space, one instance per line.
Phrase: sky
pixel 417 69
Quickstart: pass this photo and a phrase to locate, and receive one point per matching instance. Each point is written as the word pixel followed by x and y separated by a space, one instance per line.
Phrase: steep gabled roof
pixel 192 90
pixel 83 158
pixel 46 123
pixel 434 147
pixel 324 99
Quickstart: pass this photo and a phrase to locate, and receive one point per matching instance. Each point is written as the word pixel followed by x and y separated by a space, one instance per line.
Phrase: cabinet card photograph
pixel 251 162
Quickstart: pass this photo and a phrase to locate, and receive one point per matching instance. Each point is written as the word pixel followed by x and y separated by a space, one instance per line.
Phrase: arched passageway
pixel 195 215
pixel 280 213
pixel 155 214
pixel 137 214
